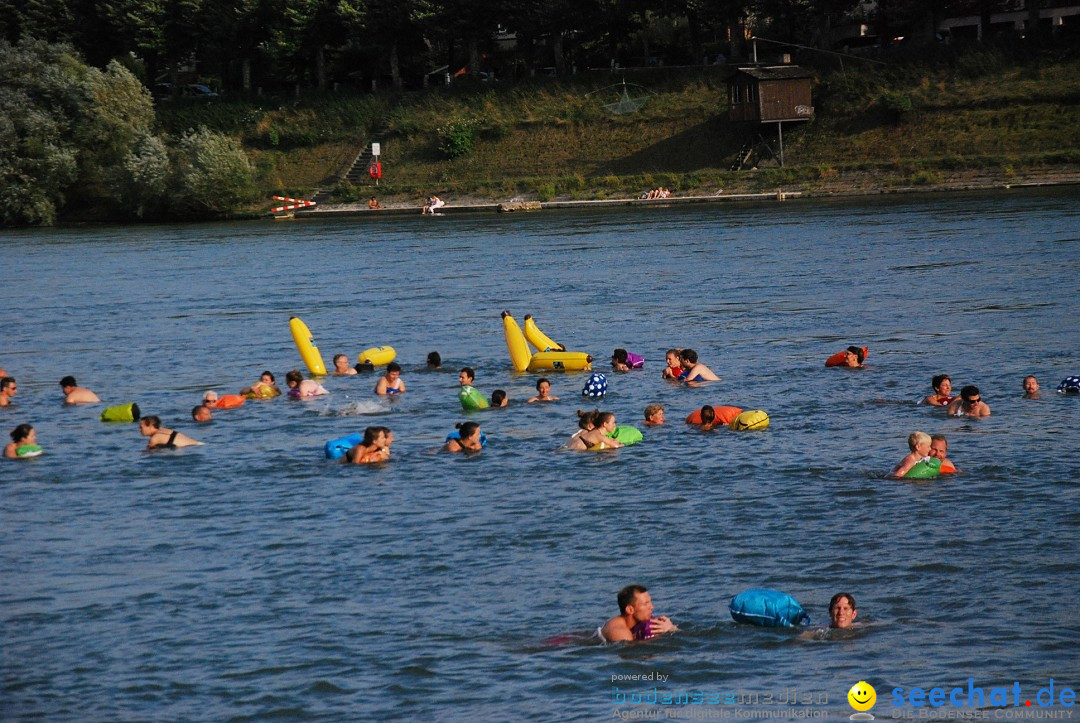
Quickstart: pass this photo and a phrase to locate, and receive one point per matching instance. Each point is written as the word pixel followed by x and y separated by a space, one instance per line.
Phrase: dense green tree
pixel 212 174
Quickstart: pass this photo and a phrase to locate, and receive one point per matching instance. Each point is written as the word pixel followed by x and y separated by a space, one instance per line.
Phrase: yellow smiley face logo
pixel 862 696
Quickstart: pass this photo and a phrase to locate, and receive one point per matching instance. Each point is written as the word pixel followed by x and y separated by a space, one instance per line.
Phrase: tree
pixel 212 173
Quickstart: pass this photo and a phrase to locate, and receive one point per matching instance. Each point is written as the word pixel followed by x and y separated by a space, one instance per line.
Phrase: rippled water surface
pixel 251 578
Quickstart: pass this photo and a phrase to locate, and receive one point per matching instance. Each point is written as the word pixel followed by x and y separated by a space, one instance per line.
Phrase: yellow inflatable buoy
pixel 515 342
pixel 561 361
pixel 540 340
pixel 377 355
pixel 751 419
pixel 305 344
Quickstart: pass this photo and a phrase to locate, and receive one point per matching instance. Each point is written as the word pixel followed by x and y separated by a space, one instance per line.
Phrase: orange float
pixel 839 359
pixel 229 401
pixel 724 415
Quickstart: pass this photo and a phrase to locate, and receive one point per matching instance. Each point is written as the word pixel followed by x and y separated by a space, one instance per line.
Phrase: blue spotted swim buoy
pixel 595 387
pixel 1069 385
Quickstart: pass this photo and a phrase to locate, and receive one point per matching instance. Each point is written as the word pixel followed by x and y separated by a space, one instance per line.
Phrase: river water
pixel 250 578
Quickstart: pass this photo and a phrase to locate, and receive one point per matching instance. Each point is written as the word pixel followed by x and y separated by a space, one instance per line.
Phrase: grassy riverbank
pixel 964 120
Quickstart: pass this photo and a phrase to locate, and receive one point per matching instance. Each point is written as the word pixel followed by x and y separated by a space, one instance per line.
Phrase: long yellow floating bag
pixel 305 344
pixel 560 361
pixel 515 342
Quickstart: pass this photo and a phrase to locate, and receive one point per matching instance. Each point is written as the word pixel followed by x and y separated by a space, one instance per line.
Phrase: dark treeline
pixel 241 45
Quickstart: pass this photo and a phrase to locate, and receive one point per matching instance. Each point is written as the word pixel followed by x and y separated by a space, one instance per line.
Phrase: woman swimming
pixel 468 439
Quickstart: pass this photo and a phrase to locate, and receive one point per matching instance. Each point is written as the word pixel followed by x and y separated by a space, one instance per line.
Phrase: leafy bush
pixel 212 173
pixel 457 138
pixel 894 104
pixel 546 192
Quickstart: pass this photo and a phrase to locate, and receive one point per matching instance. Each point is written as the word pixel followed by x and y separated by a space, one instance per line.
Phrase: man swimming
pixel 939 449
pixel 635 621
pixel 543 392
pixel 970 404
pixel 390 383
pixel 7 390
pixel 341 366
pixel 1031 387
pixel 201 414
pixel 692 370
pixel 74 394
pixel 842 612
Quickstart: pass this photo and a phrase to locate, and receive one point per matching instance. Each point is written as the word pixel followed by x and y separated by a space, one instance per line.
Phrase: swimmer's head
pixel 605 419
pixel 942 384
pixel 688 357
pixel 1031 384
pixel 210 397
pixel 147 425
pixel 201 413
pixel 393 370
pixel 672 357
pixel 708 415
pixel 634 600
pixel 374 435
pixel 68 382
pixel 466 375
pixel 267 377
pixel 654 413
pixel 498 398
pixel 842 610
pixel 939 446
pixel 917 440
pixel 543 385
pixel 587 420
pixel 293 378
pixel 468 430
pixel 859 352
pixel 22 432
pixel 434 360
pixel 341 361
pixel 620 356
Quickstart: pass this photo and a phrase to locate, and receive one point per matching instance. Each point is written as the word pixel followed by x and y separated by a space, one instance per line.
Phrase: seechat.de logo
pixel 862 697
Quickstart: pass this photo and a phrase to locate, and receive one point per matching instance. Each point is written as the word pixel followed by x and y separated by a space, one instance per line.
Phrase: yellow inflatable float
pixel 515 343
pixel 560 361
pixel 305 344
pixel 377 355
pixel 540 340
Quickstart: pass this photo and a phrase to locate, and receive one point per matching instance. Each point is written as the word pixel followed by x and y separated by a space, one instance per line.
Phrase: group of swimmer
pixel 636 621
pixel 595 427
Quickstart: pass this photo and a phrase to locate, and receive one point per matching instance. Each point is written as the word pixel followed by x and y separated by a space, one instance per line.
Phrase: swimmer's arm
pixel 380 387
pixel 615 631
pixel 532 399
pixel 9 450
pixel 905 464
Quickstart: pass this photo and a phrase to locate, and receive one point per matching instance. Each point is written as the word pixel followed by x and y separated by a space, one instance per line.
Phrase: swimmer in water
pixel 466 377
pixel 264 388
pixel 1031 387
pixel 7 390
pixel 498 398
pixel 161 438
pixel 341 366
pixel 939 449
pixel 693 371
pixel 23 443
pixel 74 394
pixel 303 388
pixel 970 404
pixel 370 449
pixel 391 383
pixel 919 444
pixel 469 440
pixel 595 428
pixel 708 418
pixel 201 414
pixel 543 388
pixel 853 357
pixel 674 369
pixel 654 415
pixel 434 360
pixel 635 620
pixel 842 612
pixel 942 390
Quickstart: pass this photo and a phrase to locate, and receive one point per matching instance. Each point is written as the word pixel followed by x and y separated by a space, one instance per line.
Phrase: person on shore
pixel 373 204
pixel 942 392
pixel 939 449
pixel 654 415
pixel 970 404
pixel 468 439
pixel 695 372
pixel 595 426
pixel 1031 387
pixel 498 398
pixel 543 389
pixel 201 414
pixel 370 448
pixel 391 383
pixel 341 366
pixel 23 444
pixel 434 360
pixel 919 444
pixel 8 389
pixel 300 388
pixel 842 611
pixel 161 438
pixel 74 394
pixel 434 203
pixel 635 620
pixel 674 369
pixel 265 388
